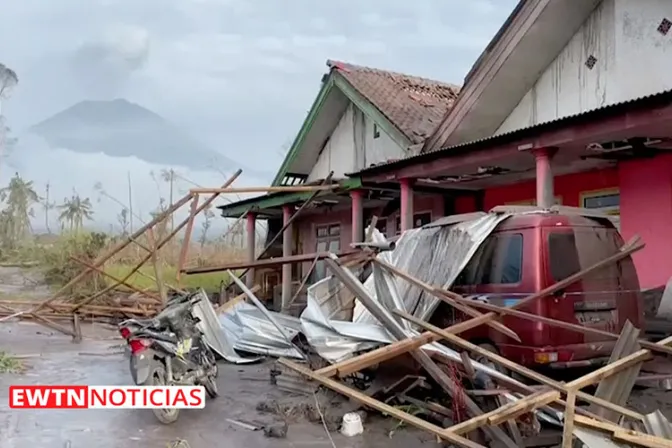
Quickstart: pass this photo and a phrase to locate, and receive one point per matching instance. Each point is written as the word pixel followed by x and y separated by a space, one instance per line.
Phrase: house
pixel 570 103
pixel 361 117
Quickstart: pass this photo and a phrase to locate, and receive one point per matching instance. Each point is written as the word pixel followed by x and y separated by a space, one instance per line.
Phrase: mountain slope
pixel 120 128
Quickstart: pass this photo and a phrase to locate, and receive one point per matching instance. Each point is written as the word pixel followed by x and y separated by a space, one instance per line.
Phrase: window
pixel 533 202
pixel 499 260
pixel 419 220
pixel 572 251
pixel 328 239
pixel 376 131
pixel 608 202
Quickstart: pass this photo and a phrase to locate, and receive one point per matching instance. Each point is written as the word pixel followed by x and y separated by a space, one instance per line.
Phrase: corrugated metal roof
pixel 664 96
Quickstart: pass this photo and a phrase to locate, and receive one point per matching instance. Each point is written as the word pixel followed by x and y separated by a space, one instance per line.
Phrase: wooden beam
pixel 385 353
pixel 265 263
pixel 512 366
pixel 506 412
pixel 621 434
pixel 498 326
pixel 187 239
pixel 381 407
pixel 396 330
pixel 263 189
pixel 568 423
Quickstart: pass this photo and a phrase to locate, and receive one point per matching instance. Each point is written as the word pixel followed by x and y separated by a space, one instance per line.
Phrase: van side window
pixel 498 261
pixel 563 254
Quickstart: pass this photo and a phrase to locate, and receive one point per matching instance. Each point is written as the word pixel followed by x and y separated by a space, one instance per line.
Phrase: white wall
pixel 633 60
pixel 352 147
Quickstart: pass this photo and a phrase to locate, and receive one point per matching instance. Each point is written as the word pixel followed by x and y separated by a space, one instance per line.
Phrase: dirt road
pixel 63 362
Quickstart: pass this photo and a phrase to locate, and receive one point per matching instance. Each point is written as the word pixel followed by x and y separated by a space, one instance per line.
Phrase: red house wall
pixel 646 210
pixel 569 187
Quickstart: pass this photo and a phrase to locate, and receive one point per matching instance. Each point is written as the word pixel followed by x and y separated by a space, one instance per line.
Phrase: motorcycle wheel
pixel 211 383
pixel 157 377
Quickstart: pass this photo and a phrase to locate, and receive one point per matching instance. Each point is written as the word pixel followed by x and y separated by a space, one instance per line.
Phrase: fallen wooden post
pixel 187 239
pixel 382 407
pixel 387 352
pixel 158 246
pixel 297 189
pixel 494 357
pixel 112 277
pixel 446 383
pixel 623 435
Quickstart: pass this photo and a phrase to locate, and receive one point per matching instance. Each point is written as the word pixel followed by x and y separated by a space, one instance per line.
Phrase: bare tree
pixel 208 214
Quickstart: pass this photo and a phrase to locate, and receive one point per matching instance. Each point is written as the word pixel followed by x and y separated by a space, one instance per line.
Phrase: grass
pixel 9 364
pixel 209 282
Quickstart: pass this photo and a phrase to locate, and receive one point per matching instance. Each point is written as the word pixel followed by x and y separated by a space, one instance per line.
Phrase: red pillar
pixel 406 213
pixel 287 235
pixel 545 194
pixel 357 197
pixel 251 245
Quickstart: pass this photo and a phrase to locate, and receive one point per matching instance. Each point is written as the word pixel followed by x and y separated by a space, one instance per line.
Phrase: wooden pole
pixel 289 222
pixel 298 189
pixel 157 268
pixel 187 240
pixel 398 348
pixel 161 243
pixel 116 279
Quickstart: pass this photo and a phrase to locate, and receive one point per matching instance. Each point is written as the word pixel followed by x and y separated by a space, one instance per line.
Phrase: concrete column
pixel 287 243
pixel 406 212
pixel 251 246
pixel 357 197
pixel 545 193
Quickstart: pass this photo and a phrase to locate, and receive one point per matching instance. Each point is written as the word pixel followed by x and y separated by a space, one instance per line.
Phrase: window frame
pixel 397 220
pixel 328 239
pixel 612 210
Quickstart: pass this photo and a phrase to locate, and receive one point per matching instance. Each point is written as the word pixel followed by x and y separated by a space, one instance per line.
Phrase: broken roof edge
pixel 277 200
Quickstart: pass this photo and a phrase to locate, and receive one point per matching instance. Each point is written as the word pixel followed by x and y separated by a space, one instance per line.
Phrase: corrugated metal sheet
pixel 518 133
pixel 658 425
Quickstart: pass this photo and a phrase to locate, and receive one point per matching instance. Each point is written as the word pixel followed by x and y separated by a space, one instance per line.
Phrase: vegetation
pixel 9 364
pixel 60 256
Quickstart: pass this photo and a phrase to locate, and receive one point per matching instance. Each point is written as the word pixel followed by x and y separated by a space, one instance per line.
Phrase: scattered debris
pixel 276 430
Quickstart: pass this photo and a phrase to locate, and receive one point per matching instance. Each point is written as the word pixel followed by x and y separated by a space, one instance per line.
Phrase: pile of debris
pixel 108 303
pixel 461 401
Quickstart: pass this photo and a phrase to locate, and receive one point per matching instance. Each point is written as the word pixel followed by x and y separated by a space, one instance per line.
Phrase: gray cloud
pixel 102 67
pixel 237 74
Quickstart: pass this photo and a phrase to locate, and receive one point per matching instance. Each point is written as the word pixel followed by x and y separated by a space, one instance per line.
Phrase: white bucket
pixel 352 424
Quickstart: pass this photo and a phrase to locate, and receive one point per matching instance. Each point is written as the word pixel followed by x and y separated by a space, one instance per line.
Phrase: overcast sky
pixel 238 74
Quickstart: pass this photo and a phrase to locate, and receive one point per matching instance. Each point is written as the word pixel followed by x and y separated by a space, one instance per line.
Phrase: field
pixel 57 257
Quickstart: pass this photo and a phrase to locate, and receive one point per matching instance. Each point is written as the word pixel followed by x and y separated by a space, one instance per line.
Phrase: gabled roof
pixel 413 104
pixel 528 41
pixel 407 108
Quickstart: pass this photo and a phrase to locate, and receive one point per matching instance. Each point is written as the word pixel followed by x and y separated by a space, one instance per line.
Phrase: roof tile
pixel 414 105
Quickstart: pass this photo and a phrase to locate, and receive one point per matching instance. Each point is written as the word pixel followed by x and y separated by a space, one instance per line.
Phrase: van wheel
pixel 486 362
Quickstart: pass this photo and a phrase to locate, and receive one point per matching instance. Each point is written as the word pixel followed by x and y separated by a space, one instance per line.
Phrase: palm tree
pixel 74 211
pixel 19 197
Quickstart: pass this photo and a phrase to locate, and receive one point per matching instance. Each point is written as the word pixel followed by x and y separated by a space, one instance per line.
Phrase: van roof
pixel 532 216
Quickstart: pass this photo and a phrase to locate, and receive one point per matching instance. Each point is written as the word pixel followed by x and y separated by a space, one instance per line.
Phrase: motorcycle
pixel 170 350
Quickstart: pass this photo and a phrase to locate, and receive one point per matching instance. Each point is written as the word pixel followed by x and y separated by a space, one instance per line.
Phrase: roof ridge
pixel 342 65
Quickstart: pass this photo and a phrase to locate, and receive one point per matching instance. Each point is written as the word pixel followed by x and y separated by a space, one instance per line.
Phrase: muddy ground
pixel 99 362
pixel 52 358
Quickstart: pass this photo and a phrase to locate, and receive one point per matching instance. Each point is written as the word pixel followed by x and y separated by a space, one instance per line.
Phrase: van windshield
pixel 499 260
pixel 572 250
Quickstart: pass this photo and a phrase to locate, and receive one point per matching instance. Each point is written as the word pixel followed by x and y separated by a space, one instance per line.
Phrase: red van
pixel 532 250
